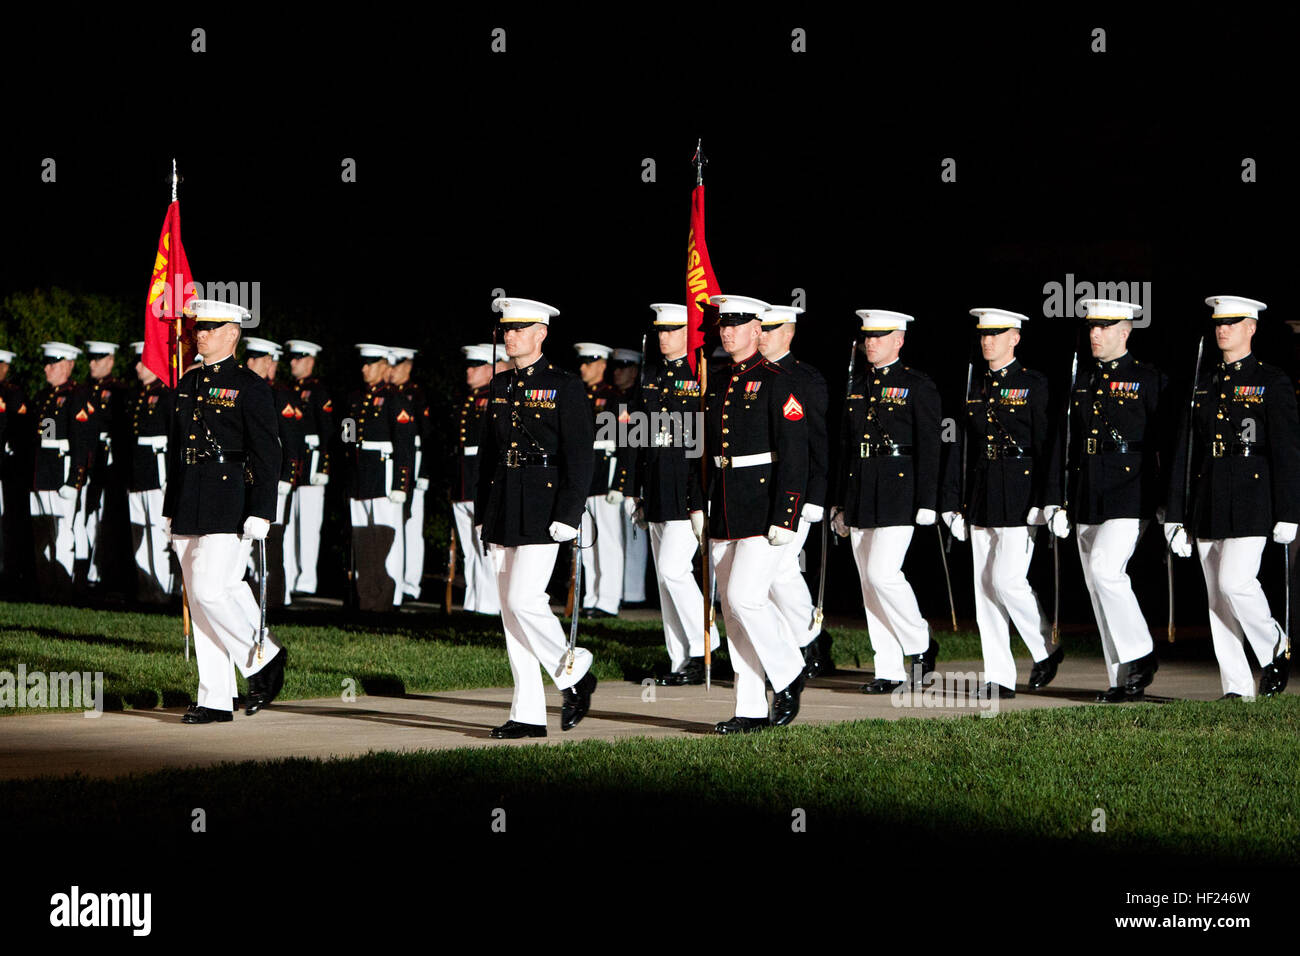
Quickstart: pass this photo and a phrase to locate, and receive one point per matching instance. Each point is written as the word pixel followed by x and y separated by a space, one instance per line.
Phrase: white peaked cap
pixel 100 348
pixel 523 310
pixel 301 347
pixel 371 351
pixel 667 313
pixel 214 310
pixel 477 353
pixel 60 350
pixel 881 320
pixel 1109 309
pixel 781 314
pixel 627 355
pixel 592 349
pixel 732 304
pixel 1235 307
pixel 403 354
pixel 253 344
pixel 137 348
pixel 6 356
pixel 998 319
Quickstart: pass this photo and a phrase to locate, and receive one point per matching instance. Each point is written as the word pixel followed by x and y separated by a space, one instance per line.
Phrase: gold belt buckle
pixel 1092 446
pixel 1218 449
pixel 512 458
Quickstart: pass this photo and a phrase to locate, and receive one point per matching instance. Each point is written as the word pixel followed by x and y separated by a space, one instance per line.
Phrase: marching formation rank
pixel 383 473
pixel 535 470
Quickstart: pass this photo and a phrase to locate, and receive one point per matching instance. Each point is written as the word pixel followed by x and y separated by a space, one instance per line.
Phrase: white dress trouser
pixel 894 621
pixel 223 613
pixel 1238 609
pixel 635 553
pixel 602 563
pixel 480 575
pixel 48 504
pixel 1003 597
pixel 790 591
pixel 308 513
pixel 414 549
pixel 151 559
pixel 533 633
pixel 674 546
pixel 369 512
pixel 758 637
pixel 1104 552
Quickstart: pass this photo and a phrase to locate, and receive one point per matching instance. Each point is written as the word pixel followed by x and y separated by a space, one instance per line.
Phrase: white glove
pixel 630 506
pixel 776 537
pixel 956 524
pixel 613 497
pixel 1284 532
pixel 697 525
pixel 813 513
pixel 1179 543
pixel 1058 522
pixel 283 487
pixel 1036 516
pixel 319 479
pixel 256 528
pixel 68 493
pixel 638 518
pixel 562 532
pixel 397 497
pixel 838 524
pixel 924 516
pixel 421 484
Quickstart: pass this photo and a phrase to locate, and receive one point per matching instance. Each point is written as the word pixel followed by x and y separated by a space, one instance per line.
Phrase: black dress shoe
pixel 513 730
pixel 266 684
pixel 692 672
pixel 1043 671
pixel 206 715
pixel 785 705
pixel 1121 695
pixel 742 725
pixel 577 699
pixel 1141 672
pixel 880 686
pixel 991 690
pixel 817 657
pixel 1273 678
pixel 925 661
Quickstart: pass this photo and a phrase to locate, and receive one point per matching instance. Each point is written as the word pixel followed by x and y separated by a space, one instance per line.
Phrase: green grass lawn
pixel 1194 781
pixel 141 654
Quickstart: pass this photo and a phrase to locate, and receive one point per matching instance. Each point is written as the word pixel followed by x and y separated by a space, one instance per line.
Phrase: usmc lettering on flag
pixel 792 409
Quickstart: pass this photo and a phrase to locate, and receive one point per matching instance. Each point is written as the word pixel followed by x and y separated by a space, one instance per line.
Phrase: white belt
pixel 385 448
pixel 744 461
pixel 604 444
pixel 60 443
pixel 470 451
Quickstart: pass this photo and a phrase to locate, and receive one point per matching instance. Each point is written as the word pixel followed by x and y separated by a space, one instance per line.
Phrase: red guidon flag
pixel 169 288
pixel 700 281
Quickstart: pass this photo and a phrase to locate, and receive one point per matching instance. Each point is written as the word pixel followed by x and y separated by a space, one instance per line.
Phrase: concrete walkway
pixel 136 741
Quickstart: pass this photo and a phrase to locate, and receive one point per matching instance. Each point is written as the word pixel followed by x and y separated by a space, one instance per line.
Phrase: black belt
pixel 995 452
pixel 1098 446
pixel 1235 449
pixel 868 449
pixel 192 456
pixel 519 459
